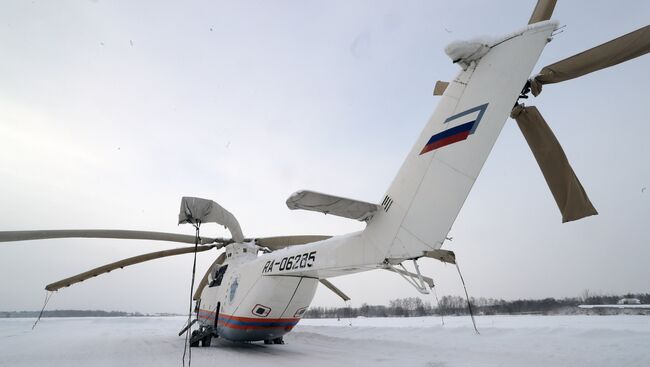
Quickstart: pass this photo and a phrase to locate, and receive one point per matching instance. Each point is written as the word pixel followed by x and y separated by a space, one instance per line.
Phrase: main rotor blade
pixel 543 11
pixel 121 264
pixel 276 243
pixel 616 51
pixel 334 289
pixel 204 280
pixel 9 236
pixel 569 194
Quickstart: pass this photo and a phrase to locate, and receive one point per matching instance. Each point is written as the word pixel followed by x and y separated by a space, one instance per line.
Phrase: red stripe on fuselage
pixel 224 320
pixel 254 327
pixel 257 319
pixel 206 317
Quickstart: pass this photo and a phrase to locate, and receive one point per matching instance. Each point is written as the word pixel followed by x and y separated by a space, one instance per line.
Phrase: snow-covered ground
pixel 504 341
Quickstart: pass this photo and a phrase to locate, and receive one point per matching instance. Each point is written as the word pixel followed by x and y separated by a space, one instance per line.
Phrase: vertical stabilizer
pixel 430 188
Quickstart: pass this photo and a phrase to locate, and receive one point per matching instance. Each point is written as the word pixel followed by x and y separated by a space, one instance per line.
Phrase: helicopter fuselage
pixel 263 297
pixel 251 297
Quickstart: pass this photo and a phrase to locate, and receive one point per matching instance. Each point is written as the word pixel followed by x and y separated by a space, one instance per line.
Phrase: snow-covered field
pixel 504 341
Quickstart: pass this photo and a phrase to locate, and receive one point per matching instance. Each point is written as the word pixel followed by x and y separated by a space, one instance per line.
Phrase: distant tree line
pixel 589 298
pixel 456 305
pixel 403 307
pixel 70 313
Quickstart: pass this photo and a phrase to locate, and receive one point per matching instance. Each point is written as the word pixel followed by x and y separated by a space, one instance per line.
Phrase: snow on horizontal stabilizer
pixel 334 205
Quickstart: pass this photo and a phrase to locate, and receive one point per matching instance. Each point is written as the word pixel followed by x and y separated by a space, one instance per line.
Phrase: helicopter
pixel 258 289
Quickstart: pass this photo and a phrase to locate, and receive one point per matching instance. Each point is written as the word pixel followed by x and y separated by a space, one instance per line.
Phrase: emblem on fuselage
pixel 233 290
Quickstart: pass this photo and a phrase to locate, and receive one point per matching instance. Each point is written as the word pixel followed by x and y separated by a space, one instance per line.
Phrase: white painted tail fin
pixel 425 198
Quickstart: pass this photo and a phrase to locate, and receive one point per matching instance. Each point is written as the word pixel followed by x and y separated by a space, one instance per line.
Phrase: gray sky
pixel 110 111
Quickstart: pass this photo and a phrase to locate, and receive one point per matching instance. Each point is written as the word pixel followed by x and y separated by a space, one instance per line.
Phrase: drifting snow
pixel 504 341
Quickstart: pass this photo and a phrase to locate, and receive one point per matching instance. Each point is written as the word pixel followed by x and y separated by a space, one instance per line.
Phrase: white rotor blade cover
pixel 330 204
pixel 207 211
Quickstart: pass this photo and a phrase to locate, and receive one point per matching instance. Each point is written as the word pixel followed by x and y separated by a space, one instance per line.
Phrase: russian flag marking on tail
pixel 456 133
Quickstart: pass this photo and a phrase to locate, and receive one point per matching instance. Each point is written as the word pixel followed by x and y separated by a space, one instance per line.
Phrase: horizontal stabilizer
pixel 334 205
pixel 440 88
pixel 445 256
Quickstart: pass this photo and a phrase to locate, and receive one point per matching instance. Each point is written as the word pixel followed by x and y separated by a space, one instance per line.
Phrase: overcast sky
pixel 110 111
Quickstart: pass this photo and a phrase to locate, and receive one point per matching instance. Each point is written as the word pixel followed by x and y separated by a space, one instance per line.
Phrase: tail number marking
pixel 299 261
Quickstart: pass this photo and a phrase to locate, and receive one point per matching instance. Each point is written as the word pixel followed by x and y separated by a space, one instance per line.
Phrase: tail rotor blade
pixel 543 11
pixel 616 51
pixel 569 194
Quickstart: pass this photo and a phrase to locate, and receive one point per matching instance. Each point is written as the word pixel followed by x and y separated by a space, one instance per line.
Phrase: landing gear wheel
pixel 207 340
pixel 194 342
pixel 278 340
pixel 268 341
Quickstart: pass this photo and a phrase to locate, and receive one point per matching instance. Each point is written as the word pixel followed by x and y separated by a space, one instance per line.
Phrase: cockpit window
pixel 218 276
